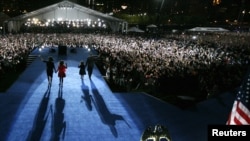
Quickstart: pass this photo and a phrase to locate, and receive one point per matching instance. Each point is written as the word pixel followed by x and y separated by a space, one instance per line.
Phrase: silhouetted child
pixel 61 71
pixel 82 71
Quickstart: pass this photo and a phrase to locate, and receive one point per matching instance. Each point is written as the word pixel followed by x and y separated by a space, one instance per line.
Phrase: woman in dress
pixel 61 71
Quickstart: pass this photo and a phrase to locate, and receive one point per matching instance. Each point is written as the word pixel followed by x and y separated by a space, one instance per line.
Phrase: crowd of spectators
pixel 213 63
pixel 210 63
pixel 14 50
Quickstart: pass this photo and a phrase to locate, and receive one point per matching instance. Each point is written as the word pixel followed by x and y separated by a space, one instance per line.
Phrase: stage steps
pixel 30 59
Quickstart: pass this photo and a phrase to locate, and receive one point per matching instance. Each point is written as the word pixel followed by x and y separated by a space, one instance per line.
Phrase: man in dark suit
pixel 90 64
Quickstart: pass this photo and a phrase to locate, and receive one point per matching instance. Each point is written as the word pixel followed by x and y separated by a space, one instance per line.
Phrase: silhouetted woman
pixel 50 66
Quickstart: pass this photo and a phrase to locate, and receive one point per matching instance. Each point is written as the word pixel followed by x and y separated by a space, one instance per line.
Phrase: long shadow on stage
pixel 106 116
pixel 41 118
pixel 58 123
pixel 86 97
pixel 42 115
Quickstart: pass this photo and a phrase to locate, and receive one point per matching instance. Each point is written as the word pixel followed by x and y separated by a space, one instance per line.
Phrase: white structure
pixel 66 11
pixel 208 29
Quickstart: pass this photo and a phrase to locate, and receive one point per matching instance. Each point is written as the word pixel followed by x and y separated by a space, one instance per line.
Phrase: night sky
pixel 227 9
pixel 139 4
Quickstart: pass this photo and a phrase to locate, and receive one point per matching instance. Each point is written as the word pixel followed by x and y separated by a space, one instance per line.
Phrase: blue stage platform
pixel 90 111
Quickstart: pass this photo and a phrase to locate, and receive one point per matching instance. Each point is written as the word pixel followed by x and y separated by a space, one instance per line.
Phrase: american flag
pixel 240 113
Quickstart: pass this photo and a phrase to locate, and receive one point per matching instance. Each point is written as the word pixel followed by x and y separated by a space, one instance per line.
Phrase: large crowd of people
pixel 13 52
pixel 208 63
pixel 212 62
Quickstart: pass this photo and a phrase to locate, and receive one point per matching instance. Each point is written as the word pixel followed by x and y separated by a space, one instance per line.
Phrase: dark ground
pixel 8 78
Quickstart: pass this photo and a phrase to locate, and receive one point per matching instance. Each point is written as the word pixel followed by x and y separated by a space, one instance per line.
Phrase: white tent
pixel 135 29
pixel 208 29
pixel 152 26
pixel 66 11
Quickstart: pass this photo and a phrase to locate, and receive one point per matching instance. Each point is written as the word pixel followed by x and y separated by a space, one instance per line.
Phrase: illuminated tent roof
pixel 65 10
pixel 135 29
pixel 152 26
pixel 208 29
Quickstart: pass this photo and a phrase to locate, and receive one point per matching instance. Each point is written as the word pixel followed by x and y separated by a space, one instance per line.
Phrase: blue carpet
pixel 89 111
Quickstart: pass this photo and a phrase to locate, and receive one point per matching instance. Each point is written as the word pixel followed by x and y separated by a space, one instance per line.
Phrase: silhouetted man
pixel 90 64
